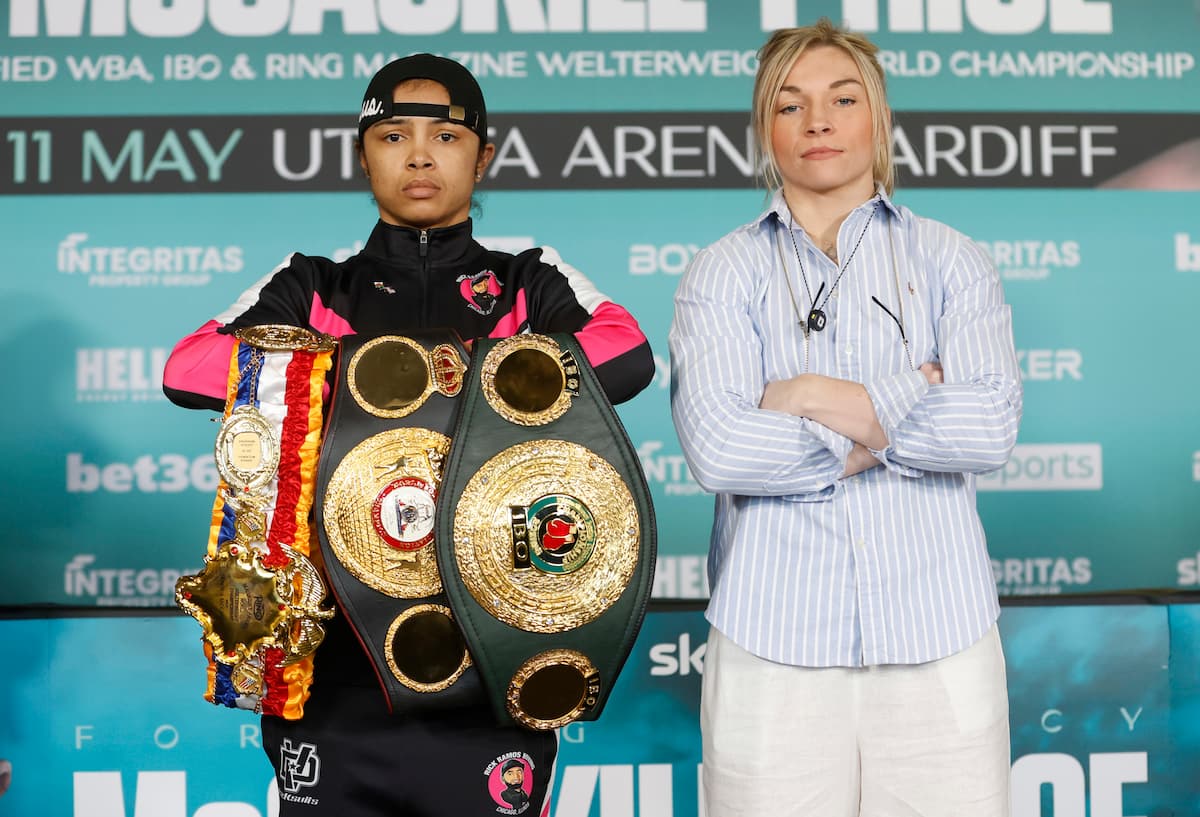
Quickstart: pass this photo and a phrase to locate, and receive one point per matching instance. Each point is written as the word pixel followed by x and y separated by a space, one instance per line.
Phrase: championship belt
pixel 545 531
pixel 378 482
pixel 258 597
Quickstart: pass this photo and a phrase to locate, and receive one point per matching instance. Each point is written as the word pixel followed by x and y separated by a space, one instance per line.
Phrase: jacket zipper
pixel 423 252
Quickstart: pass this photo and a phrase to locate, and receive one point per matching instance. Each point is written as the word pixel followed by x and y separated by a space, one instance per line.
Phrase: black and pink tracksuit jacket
pixel 407 279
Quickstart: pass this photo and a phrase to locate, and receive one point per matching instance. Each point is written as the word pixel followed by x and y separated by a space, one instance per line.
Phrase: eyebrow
pixel 836 84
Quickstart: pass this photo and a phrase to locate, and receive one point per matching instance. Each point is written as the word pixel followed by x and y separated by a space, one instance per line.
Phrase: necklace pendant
pixel 816 320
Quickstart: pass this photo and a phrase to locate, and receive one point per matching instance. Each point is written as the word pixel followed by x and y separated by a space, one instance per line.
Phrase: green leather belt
pixel 545 531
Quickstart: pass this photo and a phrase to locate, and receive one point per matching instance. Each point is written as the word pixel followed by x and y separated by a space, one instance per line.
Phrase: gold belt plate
pixel 278 337
pixel 529 380
pixel 392 376
pixel 553 688
pixel 379 511
pixel 425 649
pixel 546 536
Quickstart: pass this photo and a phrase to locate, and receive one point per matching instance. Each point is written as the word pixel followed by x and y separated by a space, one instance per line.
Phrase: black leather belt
pixel 378 483
pixel 545 531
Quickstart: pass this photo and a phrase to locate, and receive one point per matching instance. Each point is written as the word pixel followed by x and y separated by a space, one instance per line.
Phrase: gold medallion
pixel 247 451
pixel 553 688
pixel 379 511
pixel 392 376
pixel 277 337
pixel 244 606
pixel 424 648
pixel 529 379
pixel 546 536
pixel 236 600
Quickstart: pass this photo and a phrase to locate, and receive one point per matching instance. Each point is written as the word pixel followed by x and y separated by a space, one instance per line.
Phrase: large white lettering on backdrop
pixel 241 18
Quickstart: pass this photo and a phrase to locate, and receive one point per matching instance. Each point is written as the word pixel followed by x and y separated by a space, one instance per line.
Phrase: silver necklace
pixel 816 314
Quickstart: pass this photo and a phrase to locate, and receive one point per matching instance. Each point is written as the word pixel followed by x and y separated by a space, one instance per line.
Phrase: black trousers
pixel 347 757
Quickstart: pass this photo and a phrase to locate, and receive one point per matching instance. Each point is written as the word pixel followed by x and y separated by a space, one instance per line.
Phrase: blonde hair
pixel 775 60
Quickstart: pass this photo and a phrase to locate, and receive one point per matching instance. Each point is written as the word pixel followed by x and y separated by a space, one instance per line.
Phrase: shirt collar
pixel 402 245
pixel 779 209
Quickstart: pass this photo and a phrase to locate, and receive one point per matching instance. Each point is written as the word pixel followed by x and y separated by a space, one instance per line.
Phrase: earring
pixel 478 177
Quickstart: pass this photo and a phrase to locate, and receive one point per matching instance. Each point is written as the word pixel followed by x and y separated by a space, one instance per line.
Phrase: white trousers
pixel 923 740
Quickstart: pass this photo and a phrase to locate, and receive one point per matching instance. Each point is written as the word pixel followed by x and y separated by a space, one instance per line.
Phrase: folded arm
pixel 732 444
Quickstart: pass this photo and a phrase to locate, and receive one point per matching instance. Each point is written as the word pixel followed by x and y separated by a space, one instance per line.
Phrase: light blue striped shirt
pixel 889 566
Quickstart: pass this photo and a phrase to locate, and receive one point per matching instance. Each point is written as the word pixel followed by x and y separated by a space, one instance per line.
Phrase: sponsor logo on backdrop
pixel 119 375
pixel 1048 467
pixel 1050 364
pixel 681 577
pixel 660 259
pixel 1189 570
pixel 299 768
pixel 1041 575
pixel 1032 259
pixel 668 471
pixel 96 584
pixel 1187 253
pixel 678 657
pixel 144 266
pixel 148 474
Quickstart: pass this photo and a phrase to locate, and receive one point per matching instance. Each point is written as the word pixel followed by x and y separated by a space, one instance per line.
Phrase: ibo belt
pixel 545 531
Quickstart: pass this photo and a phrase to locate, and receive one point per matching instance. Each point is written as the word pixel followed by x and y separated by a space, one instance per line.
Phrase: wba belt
pixel 545 531
pixel 258 598
pixel 379 481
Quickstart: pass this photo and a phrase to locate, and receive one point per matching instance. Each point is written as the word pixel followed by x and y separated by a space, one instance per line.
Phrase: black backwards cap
pixel 466 100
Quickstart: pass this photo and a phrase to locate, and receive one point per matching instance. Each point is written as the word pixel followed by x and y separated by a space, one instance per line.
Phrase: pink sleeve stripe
pixel 511 323
pixel 200 363
pixel 324 319
pixel 610 333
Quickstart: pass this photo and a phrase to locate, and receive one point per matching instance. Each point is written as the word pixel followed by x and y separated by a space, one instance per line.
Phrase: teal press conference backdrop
pixel 1103 721
pixel 158 158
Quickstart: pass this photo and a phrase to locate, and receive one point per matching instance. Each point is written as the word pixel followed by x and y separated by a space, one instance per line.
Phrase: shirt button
pixel 850 350
pixel 860 542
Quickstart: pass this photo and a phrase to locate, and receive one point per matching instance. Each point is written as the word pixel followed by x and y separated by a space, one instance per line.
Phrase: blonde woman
pixel 843 369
